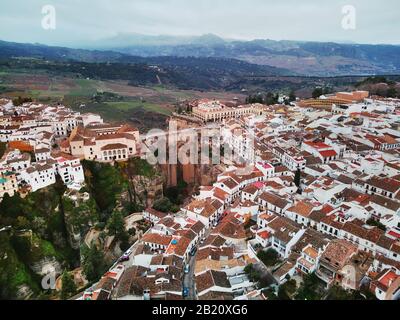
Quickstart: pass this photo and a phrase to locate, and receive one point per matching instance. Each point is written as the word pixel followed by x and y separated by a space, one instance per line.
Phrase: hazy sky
pixel 378 21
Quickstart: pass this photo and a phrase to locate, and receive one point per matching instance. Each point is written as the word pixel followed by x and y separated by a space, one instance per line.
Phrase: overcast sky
pixel 378 21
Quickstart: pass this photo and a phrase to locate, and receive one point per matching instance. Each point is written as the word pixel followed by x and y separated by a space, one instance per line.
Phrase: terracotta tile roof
pixel 156 213
pixel 338 252
pixel 114 146
pixel 197 227
pixel 311 252
pixel 204 207
pixel 230 227
pixel 20 145
pixel 386 279
pixel 230 183
pixel 274 199
pixel 328 153
pixel 283 228
pixel 385 202
pixel 211 278
pixel 386 184
pixel 182 246
pixel 215 253
pixel 221 194
pixel 157 239
pixel 250 189
pixel 126 128
pixel 311 237
pixel 302 208
pixel 214 241
pixel 217 296
pixel 283 270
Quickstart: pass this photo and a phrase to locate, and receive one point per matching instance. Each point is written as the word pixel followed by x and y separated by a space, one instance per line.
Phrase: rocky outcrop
pixel 45 266
pixel 24 292
pixel 147 190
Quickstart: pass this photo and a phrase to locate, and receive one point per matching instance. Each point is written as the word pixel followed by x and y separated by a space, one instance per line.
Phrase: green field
pixel 132 105
pixel 115 100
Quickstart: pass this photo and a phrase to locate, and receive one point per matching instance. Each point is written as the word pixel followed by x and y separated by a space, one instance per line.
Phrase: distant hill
pixel 200 73
pixel 12 49
pixel 207 68
pixel 305 58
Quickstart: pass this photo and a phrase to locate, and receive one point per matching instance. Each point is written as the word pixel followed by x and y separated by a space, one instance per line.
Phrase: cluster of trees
pixel 380 86
pixel 177 194
pixel 375 223
pixel 106 97
pixel 375 80
pixel 21 100
pixel 68 288
pixel 256 276
pixel 165 205
pixel 269 257
pixel 270 98
pixel 35 232
pixel 311 289
pixel 116 228
pixel 50 223
pixel 183 107
pixel 319 91
pixel 93 263
pixel 105 183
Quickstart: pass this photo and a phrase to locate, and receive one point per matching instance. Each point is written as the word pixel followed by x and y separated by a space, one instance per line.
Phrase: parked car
pixel 124 258
pixel 185 292
pixel 193 251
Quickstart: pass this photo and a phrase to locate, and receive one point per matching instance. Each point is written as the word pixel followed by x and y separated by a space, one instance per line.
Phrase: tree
pixel 271 98
pixel 292 96
pixel 311 289
pixel 177 194
pixel 317 93
pixel 93 263
pixel 68 286
pixel 20 101
pixel 287 289
pixel 163 205
pixel 116 227
pixel 282 294
pixel 116 224
pixel 252 273
pixel 297 178
pixel 22 223
pixel 391 93
pixel 106 184
pixel 375 223
pixel 258 98
pixel 269 257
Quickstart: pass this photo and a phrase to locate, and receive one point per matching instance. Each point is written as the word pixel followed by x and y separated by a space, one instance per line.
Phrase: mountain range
pixel 250 58
pixel 300 57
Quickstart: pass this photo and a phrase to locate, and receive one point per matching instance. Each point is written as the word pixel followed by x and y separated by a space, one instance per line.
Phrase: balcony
pixel 325 275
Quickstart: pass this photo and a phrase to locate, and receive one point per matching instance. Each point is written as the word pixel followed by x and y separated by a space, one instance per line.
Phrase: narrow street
pixel 189 280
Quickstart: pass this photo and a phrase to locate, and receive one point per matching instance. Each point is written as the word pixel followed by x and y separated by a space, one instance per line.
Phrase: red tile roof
pixel 328 153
